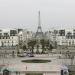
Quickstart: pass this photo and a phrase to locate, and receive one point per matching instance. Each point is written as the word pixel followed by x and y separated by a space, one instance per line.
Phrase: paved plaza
pixel 15 64
pixel 54 57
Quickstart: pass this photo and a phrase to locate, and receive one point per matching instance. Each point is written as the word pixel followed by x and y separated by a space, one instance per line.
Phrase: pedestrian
pixel 26 67
pixel 13 54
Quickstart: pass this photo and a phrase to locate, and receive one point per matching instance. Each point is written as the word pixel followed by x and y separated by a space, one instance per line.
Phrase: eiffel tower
pixel 39 33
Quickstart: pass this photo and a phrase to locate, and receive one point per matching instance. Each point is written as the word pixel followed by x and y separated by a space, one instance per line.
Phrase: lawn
pixel 71 73
pixel 36 61
pixel 34 74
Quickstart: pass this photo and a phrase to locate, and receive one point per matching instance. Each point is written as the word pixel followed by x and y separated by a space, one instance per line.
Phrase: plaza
pixel 51 68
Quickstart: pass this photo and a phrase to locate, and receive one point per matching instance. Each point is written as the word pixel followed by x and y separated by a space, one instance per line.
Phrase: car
pixel 25 54
pixel 30 55
pixel 21 55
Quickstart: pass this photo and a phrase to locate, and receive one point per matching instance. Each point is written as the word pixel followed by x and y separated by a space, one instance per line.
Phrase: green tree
pixel 55 44
pixel 31 45
pixel 20 44
pixel 37 48
pixel 24 47
pixel 50 47
pixel 43 45
pixel 47 45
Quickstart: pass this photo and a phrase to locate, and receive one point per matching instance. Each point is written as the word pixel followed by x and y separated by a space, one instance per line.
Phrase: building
pixel 63 37
pixel 11 38
pixel 8 38
pixel 52 37
pixel 66 38
pixel 24 36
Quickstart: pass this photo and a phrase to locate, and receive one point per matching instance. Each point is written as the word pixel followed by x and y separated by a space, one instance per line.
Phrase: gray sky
pixel 24 14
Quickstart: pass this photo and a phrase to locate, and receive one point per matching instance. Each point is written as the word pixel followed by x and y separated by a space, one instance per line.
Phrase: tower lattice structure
pixel 39 33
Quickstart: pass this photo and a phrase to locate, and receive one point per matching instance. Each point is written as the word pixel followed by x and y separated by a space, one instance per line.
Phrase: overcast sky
pixel 24 14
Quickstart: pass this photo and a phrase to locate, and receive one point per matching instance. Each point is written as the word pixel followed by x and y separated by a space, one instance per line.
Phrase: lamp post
pixel 72 58
pixel 17 49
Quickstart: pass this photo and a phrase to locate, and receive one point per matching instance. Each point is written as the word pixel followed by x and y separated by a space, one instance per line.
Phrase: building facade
pixel 8 38
pixel 24 36
pixel 65 38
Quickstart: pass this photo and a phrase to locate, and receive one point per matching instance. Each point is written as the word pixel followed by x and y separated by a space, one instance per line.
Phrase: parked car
pixel 21 55
pixel 30 55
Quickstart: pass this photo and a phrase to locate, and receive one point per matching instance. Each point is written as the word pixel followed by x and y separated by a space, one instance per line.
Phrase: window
pixel 5 43
pixel 72 42
pixel 69 42
pixel 6 34
pixel 8 41
pixel 0 37
pixel 2 44
pixel 3 37
pixel 13 32
pixel 0 34
pixel 8 37
pixel 69 35
pixel 12 37
pixel 12 43
pixel 62 32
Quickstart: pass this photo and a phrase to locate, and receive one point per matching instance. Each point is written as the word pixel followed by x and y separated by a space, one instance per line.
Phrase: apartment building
pixel 63 37
pixel 24 36
pixel 8 38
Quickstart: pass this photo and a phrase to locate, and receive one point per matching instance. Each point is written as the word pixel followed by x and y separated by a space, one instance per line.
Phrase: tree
pixel 37 48
pixel 43 45
pixel 55 44
pixel 20 44
pixel 50 47
pixel 47 43
pixel 24 47
pixel 31 45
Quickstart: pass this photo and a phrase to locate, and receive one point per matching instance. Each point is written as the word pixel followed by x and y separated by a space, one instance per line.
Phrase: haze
pixel 24 14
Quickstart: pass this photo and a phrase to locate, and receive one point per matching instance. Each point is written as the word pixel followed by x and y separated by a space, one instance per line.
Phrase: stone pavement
pixel 15 64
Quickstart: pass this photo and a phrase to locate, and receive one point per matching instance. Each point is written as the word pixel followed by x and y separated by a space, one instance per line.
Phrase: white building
pixel 24 35
pixel 8 38
pixel 52 37
pixel 63 37
pixel 12 37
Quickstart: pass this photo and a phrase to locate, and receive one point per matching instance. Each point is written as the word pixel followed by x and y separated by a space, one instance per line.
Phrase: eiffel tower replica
pixel 39 34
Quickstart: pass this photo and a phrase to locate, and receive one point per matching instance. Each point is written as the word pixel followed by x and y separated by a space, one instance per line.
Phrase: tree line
pixel 45 44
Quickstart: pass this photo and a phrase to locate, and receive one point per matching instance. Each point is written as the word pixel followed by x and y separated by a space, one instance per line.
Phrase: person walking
pixel 26 67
